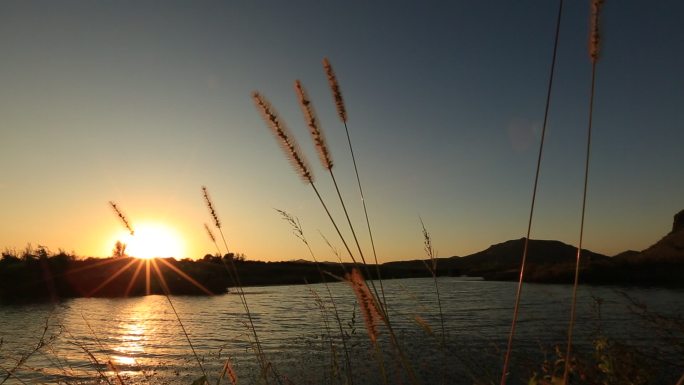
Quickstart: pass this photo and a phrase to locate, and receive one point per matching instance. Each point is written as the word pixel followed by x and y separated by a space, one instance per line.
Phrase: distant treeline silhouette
pixel 41 274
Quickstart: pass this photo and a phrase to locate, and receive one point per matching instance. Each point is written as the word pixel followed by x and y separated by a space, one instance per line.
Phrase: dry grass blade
pixel 523 262
pixel 420 321
pixel 429 249
pixel 121 216
pixel 285 139
pixel 299 233
pixel 594 35
pixel 209 233
pixel 210 206
pixel 335 88
pixel 314 126
pixel 229 372
pixel 593 52
pixel 233 273
pixel 371 314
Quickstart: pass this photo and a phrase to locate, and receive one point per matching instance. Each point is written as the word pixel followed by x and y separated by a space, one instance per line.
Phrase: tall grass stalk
pixel 299 233
pixel 326 160
pixel 342 113
pixel 291 149
pixel 233 273
pixel 371 315
pixel 122 217
pixel 432 267
pixel 518 294
pixel 594 48
pixel 293 154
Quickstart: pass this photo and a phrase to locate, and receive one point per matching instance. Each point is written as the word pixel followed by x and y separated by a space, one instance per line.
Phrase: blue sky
pixel 143 102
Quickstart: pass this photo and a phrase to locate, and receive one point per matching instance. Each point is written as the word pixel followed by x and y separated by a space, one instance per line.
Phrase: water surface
pixel 142 336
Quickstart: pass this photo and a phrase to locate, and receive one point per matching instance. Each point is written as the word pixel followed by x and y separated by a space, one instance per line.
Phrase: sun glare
pixel 152 240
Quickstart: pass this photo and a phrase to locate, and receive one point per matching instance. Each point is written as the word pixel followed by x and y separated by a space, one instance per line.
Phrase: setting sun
pixel 152 240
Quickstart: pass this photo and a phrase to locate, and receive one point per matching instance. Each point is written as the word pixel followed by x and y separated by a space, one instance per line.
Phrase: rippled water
pixel 144 340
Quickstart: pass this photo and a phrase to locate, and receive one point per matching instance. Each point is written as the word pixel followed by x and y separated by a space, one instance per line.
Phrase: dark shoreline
pixel 58 277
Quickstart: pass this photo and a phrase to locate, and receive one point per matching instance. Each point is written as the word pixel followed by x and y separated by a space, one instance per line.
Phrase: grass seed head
pixel 367 304
pixel 285 139
pixel 335 88
pixel 594 33
pixel 314 126
pixel 211 235
pixel 212 211
pixel 122 217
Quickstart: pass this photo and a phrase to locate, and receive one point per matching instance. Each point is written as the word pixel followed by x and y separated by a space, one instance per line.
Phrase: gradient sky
pixel 143 102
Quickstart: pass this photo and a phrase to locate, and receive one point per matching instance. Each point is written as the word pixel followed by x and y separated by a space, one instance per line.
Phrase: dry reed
pixel 523 262
pixel 324 154
pixel 233 273
pixel 212 211
pixel 432 267
pixel 299 233
pixel 369 308
pixel 289 145
pixel 285 139
pixel 342 112
pixel 122 217
pixel 335 87
pixel 228 371
pixel 314 127
pixel 210 233
pixel 594 35
pixel 593 54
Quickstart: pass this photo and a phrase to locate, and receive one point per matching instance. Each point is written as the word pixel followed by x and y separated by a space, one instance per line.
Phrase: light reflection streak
pixel 130 344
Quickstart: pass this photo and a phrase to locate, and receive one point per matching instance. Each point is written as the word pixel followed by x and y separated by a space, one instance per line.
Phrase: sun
pixel 152 240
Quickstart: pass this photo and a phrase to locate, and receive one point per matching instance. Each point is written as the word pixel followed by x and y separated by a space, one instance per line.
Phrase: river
pixel 143 339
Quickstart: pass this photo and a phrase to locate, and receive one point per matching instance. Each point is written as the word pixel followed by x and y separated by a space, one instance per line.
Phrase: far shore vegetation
pixel 39 273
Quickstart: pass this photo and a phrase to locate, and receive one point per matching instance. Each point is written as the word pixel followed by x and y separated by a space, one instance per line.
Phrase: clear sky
pixel 143 102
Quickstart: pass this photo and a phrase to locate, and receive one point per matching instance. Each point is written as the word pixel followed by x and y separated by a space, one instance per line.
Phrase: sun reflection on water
pixel 130 341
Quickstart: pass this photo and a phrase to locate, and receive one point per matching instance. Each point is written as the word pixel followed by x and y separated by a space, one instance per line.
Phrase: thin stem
pixel 168 298
pixel 339 233
pixel 393 337
pixel 516 308
pixel 102 348
pixel 432 267
pixel 356 240
pixel 299 233
pixel 241 294
pixel 365 212
pixel 566 372
pixel 41 343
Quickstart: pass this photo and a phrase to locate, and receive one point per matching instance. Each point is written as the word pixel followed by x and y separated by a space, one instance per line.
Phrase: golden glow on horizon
pixel 151 240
